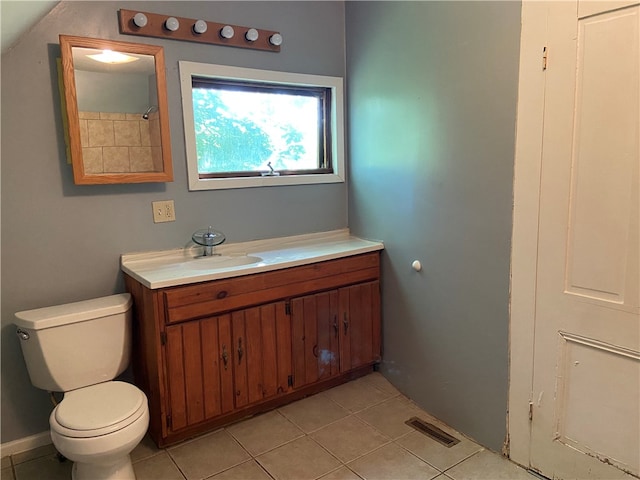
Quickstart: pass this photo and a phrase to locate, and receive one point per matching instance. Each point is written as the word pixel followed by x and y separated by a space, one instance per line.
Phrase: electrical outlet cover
pixel 163 211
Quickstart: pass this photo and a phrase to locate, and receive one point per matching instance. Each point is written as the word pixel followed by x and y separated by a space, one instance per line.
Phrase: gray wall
pixel 62 242
pixel 114 92
pixel 432 93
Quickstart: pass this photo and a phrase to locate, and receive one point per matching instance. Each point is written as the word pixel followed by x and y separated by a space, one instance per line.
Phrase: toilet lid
pixel 99 406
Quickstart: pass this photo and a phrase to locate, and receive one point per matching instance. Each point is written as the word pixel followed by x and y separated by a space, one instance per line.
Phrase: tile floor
pixel 351 432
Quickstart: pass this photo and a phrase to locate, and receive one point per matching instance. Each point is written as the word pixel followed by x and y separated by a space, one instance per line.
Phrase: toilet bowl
pixel 98 426
pixel 78 349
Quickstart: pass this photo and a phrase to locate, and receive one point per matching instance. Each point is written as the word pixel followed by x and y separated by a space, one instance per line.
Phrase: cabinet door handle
pixel 345 322
pixel 336 330
pixel 315 351
pixel 225 356
pixel 240 351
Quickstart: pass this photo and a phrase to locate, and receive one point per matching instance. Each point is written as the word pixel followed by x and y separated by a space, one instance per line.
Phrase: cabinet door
pixel 359 321
pixel 261 353
pixel 199 371
pixel 315 333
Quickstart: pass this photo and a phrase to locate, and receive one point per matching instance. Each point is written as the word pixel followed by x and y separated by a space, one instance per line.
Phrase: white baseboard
pixel 25 444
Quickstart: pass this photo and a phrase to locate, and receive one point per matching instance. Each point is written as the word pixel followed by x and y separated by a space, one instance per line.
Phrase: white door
pixel 586 363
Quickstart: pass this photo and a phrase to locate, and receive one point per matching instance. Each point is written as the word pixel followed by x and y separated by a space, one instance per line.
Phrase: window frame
pixel 190 71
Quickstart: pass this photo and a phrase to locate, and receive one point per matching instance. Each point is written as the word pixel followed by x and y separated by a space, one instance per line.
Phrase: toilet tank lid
pixel 47 317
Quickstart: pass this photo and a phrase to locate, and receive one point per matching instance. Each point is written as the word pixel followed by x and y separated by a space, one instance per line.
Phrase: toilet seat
pixel 98 410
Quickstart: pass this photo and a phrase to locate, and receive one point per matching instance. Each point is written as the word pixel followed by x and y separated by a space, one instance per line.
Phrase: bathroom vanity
pixel 262 324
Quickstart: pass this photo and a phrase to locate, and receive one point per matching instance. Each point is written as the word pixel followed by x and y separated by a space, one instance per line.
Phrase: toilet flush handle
pixel 22 334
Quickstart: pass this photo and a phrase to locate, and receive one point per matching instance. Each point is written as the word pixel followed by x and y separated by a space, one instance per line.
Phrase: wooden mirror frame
pixel 80 176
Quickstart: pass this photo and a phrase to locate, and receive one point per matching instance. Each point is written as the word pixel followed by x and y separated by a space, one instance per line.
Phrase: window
pixel 249 128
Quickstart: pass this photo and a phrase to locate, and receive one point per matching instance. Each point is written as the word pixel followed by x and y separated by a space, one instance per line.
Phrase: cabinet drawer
pixel 196 301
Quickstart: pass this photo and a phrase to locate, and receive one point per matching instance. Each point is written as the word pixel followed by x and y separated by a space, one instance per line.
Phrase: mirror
pixel 116 100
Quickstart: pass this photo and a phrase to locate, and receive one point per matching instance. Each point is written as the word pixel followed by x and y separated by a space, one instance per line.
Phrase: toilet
pixel 79 348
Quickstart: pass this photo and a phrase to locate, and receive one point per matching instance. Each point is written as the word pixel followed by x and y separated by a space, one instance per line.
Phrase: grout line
pixel 271 448
pixel 440 471
pixel 155 454
pixel 171 459
pixel 344 465
pixel 464 460
pixel 331 454
pixel 264 469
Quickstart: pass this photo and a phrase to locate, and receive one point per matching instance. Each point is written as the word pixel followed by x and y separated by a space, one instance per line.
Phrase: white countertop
pixel 168 268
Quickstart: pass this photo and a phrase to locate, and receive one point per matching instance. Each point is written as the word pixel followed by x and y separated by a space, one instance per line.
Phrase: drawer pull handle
pixel 225 356
pixel 240 351
pixel 221 294
pixel 345 323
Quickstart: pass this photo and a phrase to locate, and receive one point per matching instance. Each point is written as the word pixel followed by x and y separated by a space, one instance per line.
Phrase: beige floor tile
pixel 343 473
pixel 264 432
pixel 357 395
pixel 488 466
pixel 6 473
pixel 145 449
pixel 44 451
pixel 208 455
pixel 349 438
pixel 245 471
pixel 389 417
pixel 301 459
pixel 158 467
pixel 437 454
pixel 392 462
pixel 313 412
pixel 44 467
pixel 381 383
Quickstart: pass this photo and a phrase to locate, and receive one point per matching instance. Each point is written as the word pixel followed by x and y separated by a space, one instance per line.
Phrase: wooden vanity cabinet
pixel 210 353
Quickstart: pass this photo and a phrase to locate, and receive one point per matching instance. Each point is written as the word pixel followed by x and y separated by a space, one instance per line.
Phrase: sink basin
pixel 223 261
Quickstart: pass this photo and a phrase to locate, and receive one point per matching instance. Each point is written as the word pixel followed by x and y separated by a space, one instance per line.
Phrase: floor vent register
pixel 432 431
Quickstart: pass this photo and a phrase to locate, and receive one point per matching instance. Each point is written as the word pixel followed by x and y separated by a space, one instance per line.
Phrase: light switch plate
pixel 163 211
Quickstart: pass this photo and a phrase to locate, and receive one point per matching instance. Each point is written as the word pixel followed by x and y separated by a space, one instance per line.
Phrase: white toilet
pixel 79 348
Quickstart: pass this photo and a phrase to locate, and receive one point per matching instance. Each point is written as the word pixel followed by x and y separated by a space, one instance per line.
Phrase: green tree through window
pixel 226 142
pixel 247 128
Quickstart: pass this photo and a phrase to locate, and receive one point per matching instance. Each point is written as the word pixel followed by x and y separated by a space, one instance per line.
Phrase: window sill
pixel 266 181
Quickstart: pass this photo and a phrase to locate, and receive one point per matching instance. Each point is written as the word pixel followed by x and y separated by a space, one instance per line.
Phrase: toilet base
pixel 120 470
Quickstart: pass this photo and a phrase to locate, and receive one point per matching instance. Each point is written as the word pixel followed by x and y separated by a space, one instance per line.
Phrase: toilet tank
pixel 77 344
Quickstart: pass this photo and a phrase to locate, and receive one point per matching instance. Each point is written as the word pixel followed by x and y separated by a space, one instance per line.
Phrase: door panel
pixel 200 384
pixel 241 385
pixel 284 347
pixel 192 357
pixel 604 161
pixel 310 321
pixel 176 378
pixel 254 354
pixel 358 310
pixel 269 347
pixel 262 353
pixel 225 340
pixel 328 335
pixel 315 339
pixel 586 380
pixel 594 371
pixel 217 373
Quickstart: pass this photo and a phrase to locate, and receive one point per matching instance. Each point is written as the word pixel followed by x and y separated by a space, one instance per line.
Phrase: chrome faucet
pixel 208 239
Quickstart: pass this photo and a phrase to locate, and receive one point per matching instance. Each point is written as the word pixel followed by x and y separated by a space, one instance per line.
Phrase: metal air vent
pixel 432 431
